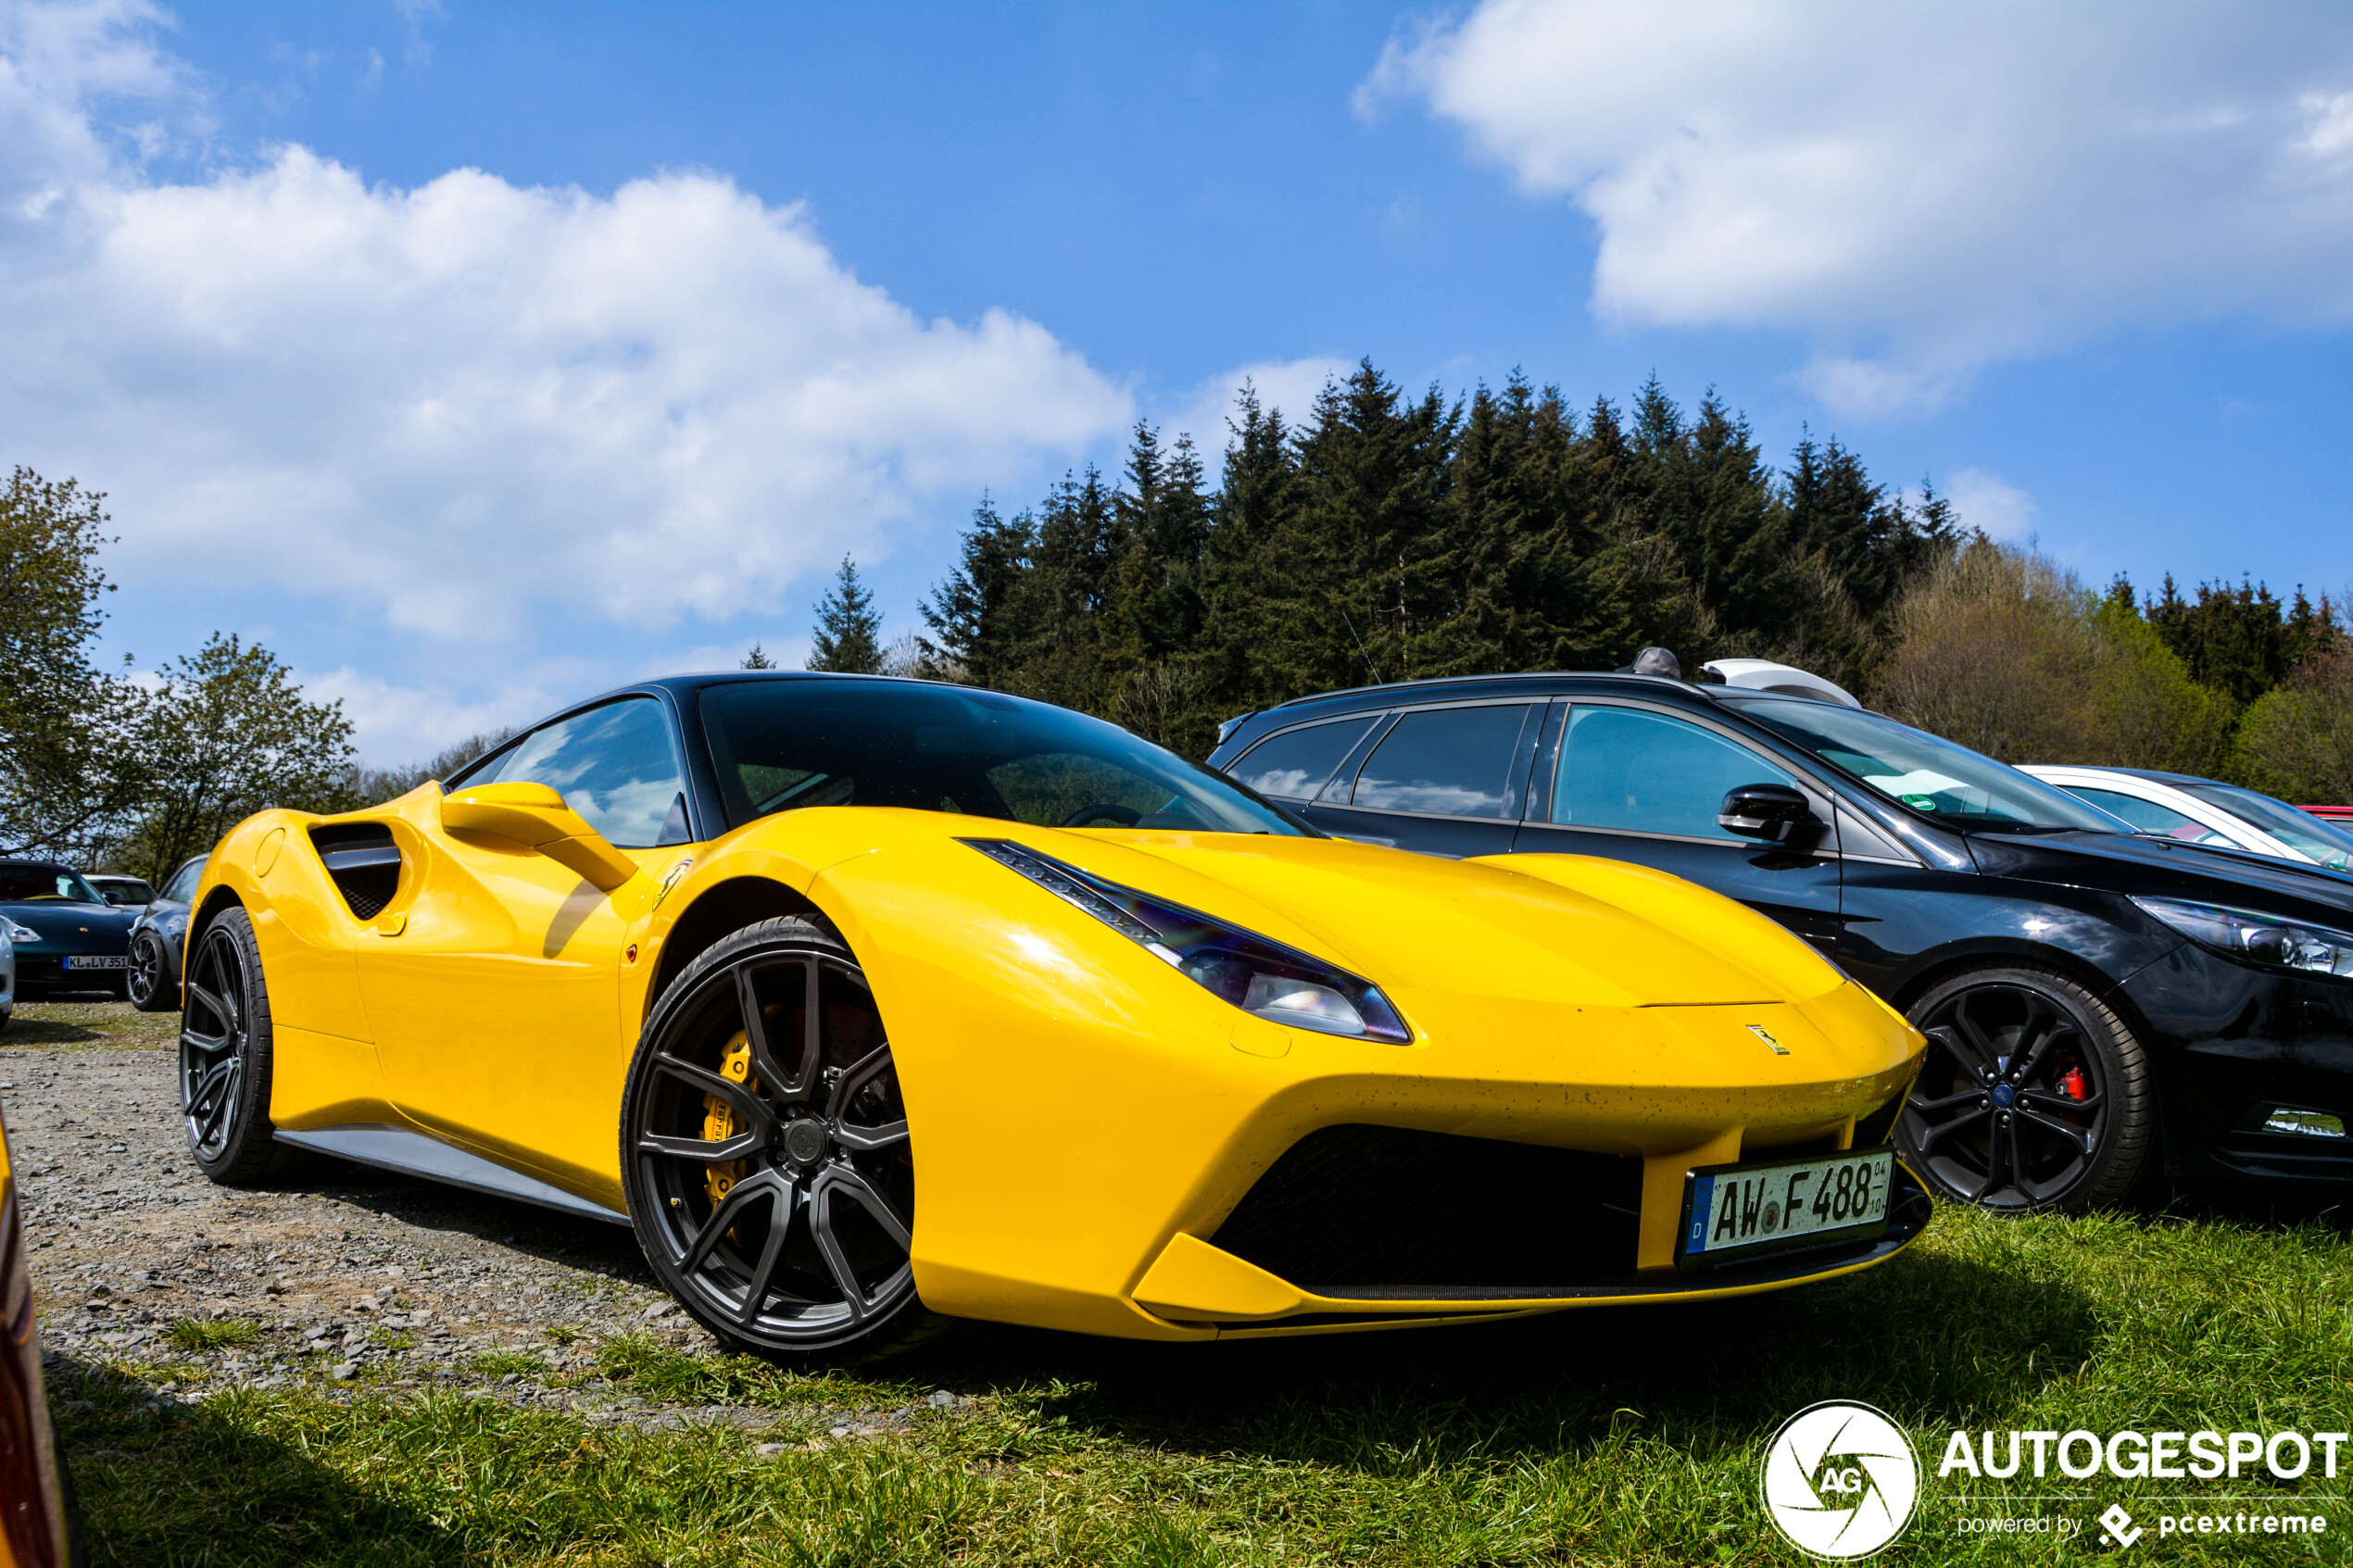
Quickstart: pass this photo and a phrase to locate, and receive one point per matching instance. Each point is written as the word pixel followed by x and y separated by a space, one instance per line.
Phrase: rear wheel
pixel 2035 1094
pixel 225 1055
pixel 765 1155
pixel 149 980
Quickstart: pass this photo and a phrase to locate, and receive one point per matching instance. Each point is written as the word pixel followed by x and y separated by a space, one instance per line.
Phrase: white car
pixel 1764 675
pixel 2206 811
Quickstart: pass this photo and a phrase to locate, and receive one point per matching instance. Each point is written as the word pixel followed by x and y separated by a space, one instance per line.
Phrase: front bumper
pixel 41 973
pixel 1366 1226
pixel 2233 1047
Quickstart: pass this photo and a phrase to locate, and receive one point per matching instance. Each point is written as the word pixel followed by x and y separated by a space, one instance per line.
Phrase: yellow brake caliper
pixel 719 1117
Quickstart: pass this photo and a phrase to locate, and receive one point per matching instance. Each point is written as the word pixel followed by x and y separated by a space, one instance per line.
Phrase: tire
pixel 796 1246
pixel 225 1057
pixel 149 982
pixel 5 1013
pixel 2035 1094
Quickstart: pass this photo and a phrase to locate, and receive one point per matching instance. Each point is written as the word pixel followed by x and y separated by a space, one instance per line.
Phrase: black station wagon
pixel 2099 1005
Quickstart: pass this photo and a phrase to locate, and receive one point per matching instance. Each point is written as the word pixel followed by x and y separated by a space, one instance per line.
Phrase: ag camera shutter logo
pixel 1840 1480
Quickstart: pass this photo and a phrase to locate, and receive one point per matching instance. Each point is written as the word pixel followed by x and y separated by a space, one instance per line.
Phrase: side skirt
pixel 396 1148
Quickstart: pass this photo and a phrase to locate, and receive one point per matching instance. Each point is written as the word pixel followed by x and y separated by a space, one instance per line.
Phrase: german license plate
pixel 1736 1212
pixel 97 961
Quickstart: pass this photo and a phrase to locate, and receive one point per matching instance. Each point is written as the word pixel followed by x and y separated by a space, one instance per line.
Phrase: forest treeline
pixel 1388 537
pixel 1384 536
pixel 1391 537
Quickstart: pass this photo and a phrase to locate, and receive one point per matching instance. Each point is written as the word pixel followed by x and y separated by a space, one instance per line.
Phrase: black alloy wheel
pixel 149 980
pixel 225 1043
pixel 765 1155
pixel 2035 1094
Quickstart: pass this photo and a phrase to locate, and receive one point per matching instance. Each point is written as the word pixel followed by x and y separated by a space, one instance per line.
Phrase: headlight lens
pixel 1278 984
pixel 22 934
pixel 2259 939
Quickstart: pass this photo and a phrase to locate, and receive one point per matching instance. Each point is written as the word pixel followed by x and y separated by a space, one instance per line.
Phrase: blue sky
pixel 737 288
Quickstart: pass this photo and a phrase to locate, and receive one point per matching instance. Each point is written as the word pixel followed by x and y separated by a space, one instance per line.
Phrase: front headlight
pixel 1278 984
pixel 2259 939
pixel 22 934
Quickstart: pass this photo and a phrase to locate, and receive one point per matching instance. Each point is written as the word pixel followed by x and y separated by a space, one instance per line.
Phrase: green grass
pixel 103 1026
pixel 195 1333
pixel 1627 1435
pixel 502 1363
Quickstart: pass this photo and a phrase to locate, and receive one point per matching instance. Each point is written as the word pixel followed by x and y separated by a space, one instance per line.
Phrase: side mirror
pixel 536 817
pixel 1769 811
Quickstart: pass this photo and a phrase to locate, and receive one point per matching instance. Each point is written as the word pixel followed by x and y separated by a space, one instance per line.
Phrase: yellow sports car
pixel 873 1003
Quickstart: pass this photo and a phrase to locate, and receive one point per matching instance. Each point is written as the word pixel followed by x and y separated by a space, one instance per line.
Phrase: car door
pixel 1449 779
pixel 496 993
pixel 1629 781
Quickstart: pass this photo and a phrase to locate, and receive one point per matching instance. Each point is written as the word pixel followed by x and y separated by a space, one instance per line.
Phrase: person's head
pixel 1657 662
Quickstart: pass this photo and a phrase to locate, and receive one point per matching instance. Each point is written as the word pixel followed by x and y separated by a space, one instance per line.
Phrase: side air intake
pixel 364 862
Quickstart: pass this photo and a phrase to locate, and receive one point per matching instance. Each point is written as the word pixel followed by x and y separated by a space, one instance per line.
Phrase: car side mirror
pixel 536 817
pixel 1770 811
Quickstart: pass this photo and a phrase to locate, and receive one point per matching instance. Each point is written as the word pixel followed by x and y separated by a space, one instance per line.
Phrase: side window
pixel 2148 816
pixel 1293 765
pixel 184 885
pixel 1625 768
pixel 1450 761
pixel 616 765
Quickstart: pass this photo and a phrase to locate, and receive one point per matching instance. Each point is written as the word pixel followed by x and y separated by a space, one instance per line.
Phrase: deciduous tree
pixel 226 734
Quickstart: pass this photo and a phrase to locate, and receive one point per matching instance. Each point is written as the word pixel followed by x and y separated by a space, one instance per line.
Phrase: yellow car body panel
pixel 1083 1114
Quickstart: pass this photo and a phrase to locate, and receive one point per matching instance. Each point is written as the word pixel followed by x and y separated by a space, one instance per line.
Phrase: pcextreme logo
pixel 1840 1480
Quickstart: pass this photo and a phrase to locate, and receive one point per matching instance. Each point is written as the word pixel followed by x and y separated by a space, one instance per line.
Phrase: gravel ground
pixel 341 1278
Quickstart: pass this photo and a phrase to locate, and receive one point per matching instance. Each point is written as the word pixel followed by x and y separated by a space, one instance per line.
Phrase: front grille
pixel 1385 1212
pixel 364 862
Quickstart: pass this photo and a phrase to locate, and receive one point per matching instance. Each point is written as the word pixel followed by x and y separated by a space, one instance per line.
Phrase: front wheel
pixel 764 1151
pixel 2035 1094
pixel 152 985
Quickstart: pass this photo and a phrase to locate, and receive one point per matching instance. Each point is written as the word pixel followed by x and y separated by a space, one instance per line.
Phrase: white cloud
pixel 1990 502
pixel 1921 190
pixel 396 724
pixel 471 408
pixel 1286 386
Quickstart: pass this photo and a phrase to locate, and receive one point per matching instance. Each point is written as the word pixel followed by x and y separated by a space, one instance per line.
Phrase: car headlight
pixel 2260 938
pixel 22 934
pixel 1278 984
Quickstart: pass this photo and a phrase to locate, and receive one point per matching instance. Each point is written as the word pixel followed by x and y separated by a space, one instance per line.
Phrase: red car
pixel 2333 813
pixel 36 1527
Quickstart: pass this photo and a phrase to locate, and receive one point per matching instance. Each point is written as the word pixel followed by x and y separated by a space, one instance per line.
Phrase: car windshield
pixel 182 887
pixel 2316 836
pixel 1948 783
pixel 29 882
pixel 780 745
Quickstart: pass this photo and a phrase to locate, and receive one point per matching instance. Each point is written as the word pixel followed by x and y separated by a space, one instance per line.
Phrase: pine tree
pixel 756 660
pixel 974 635
pixel 847 638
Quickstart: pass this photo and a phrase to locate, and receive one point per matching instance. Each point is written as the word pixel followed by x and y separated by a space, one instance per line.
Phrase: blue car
pixel 66 937
pixel 155 937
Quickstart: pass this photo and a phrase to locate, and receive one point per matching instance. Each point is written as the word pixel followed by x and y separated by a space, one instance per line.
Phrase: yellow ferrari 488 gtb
pixel 869 1003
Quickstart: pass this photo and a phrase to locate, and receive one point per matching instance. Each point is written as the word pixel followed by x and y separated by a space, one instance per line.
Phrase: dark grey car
pixel 156 936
